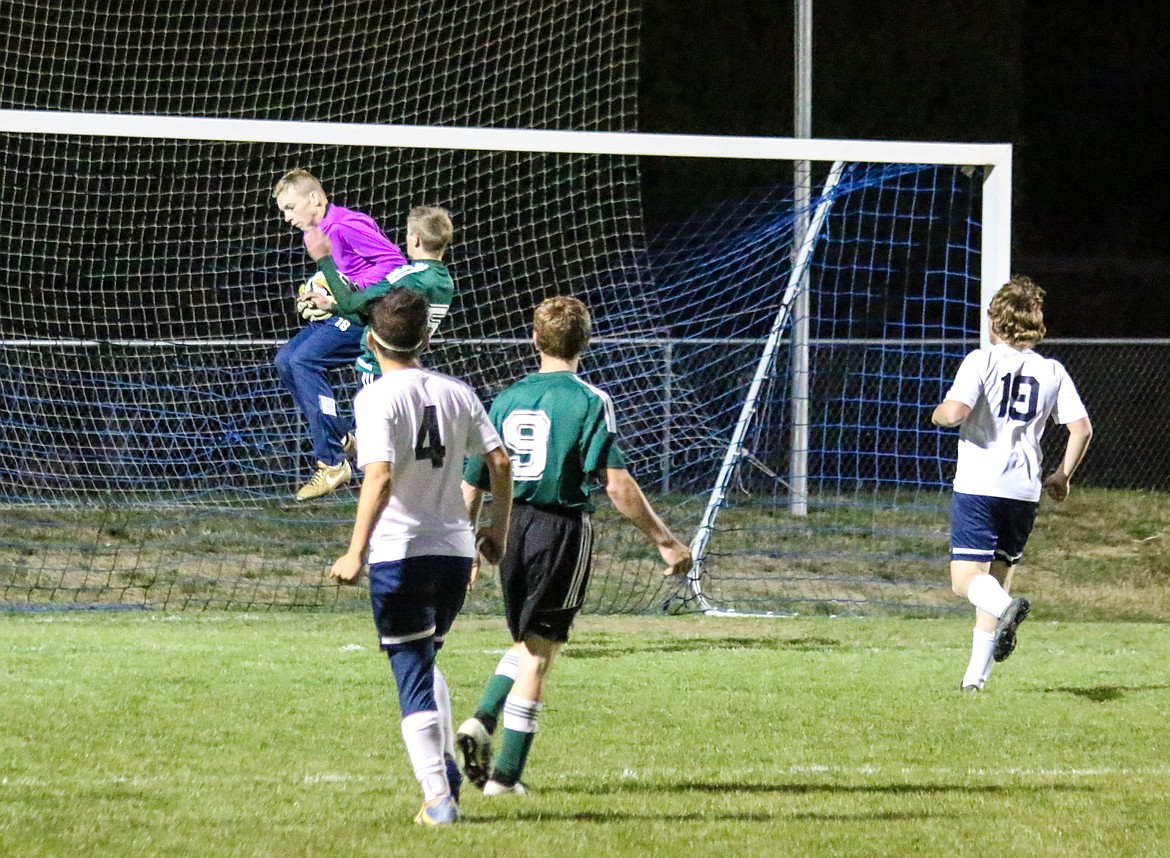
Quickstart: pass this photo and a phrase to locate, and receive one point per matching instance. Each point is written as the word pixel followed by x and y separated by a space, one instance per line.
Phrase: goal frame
pixel 995 159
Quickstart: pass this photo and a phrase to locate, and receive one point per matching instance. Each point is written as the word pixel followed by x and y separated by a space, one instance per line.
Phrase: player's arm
pixel 473 500
pixel 344 299
pixel 964 393
pixel 950 412
pixel 627 497
pixel 492 540
pixel 1080 432
pixel 376 484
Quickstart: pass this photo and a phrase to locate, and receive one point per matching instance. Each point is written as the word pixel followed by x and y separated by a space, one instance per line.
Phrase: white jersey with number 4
pixel 425 424
pixel 1012 393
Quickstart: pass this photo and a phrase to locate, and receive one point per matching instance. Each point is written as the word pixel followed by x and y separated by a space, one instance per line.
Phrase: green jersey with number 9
pixel 560 433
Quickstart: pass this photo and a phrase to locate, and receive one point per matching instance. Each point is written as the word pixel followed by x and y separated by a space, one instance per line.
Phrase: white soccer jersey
pixel 425 424
pixel 1012 393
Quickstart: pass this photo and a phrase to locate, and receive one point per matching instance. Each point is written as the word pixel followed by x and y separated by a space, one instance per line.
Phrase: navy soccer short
pixel 984 529
pixel 545 570
pixel 417 598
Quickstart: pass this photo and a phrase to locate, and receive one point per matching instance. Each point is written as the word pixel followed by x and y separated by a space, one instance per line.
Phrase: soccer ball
pixel 318 284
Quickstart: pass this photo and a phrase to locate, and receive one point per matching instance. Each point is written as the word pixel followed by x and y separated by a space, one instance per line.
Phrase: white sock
pixel 509 665
pixel 987 594
pixel 520 714
pixel 987 670
pixel 443 701
pixel 982 644
pixel 424 746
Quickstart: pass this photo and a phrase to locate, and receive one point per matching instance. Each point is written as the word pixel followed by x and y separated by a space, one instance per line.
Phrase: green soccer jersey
pixel 428 276
pixel 560 433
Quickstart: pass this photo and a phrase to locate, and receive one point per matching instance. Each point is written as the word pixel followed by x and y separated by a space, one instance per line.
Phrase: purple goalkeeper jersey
pixel 361 250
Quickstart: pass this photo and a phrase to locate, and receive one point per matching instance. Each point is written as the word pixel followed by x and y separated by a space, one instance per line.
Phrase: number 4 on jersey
pixel 429 443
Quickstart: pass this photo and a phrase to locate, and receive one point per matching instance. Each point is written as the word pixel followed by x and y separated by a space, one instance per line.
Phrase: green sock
pixel 513 755
pixel 498 687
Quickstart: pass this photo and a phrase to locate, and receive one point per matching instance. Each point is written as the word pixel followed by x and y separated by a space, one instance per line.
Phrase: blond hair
pixel 562 326
pixel 1017 312
pixel 432 225
pixel 300 180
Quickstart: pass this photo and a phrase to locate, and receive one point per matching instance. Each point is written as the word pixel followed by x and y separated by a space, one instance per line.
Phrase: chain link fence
pixel 1125 385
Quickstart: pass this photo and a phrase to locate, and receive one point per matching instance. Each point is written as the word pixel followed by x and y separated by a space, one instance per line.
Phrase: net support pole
pixel 763 369
pixel 802 184
pixel 666 457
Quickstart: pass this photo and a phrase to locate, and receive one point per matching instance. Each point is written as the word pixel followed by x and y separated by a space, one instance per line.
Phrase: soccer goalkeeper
pixel 561 435
pixel 429 233
pixel 364 255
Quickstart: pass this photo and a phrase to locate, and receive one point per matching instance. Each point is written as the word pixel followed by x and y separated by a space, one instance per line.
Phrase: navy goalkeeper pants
pixel 304 363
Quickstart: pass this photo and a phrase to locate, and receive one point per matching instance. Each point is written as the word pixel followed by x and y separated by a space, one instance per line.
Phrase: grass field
pixel 153 734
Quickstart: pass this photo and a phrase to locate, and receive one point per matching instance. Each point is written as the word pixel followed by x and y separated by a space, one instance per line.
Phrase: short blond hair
pixel 432 225
pixel 297 179
pixel 562 326
pixel 1017 312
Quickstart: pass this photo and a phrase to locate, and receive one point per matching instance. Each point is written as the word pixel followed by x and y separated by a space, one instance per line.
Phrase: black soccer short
pixel 545 571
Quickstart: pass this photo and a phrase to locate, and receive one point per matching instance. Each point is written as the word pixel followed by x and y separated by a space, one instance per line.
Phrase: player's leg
pixel 973 540
pixel 473 740
pixel 556 564
pixel 447 730
pixel 491 702
pixel 474 737
pixel 332 344
pixel 284 360
pixel 451 576
pixel 405 617
pixel 304 363
pixel 983 638
pixel 521 711
pixel 294 362
pixel 348 440
pixel 1014 520
pixel 982 646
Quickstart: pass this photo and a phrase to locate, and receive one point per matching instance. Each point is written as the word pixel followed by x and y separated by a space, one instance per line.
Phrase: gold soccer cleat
pixel 326 479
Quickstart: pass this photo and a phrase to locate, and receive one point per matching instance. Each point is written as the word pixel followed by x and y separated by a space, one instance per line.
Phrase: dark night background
pixel 1074 86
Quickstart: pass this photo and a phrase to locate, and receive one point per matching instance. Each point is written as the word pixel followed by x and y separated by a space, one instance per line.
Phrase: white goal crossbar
pixel 502 139
pixel 995 158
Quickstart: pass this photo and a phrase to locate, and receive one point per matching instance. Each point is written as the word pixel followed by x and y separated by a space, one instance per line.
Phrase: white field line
pixel 346 778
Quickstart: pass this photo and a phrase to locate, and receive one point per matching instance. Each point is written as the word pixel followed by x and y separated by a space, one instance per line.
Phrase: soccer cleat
pixel 1005 631
pixel 454 776
pixel 497 788
pixel 445 812
pixel 349 446
pixel 326 479
pixel 969 688
pixel 474 743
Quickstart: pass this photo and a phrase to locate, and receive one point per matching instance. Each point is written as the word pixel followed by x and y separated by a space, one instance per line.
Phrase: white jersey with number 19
pixel 424 424
pixel 1012 393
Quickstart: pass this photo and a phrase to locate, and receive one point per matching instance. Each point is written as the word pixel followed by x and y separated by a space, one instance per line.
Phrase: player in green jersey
pixel 429 233
pixel 561 435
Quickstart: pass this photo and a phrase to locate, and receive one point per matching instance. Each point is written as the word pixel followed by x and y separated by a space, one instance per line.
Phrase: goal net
pixel 148 455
